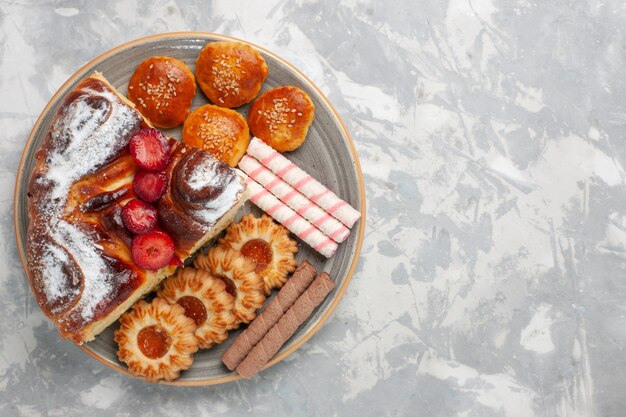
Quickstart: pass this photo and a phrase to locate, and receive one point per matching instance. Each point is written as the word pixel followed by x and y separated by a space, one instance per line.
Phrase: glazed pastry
pixel 202 196
pixel 265 243
pixel 156 340
pixel 230 73
pixel 162 88
pixel 205 300
pixel 281 117
pixel 241 281
pixel 78 251
pixel 221 132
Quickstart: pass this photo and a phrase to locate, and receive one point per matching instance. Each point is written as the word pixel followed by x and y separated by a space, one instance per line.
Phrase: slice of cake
pixel 79 259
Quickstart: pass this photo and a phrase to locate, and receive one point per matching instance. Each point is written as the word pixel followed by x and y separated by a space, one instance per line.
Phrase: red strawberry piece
pixel 176 261
pixel 149 186
pixel 152 250
pixel 150 149
pixel 139 217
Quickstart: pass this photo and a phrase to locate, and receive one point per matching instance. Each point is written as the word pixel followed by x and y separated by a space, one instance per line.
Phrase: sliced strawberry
pixel 139 217
pixel 153 250
pixel 150 149
pixel 176 261
pixel 150 186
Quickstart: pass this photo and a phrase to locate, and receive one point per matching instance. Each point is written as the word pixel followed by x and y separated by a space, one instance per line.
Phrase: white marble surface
pixel 491 134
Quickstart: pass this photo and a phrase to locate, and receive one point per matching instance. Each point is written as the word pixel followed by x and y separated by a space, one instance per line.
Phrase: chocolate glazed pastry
pixel 193 200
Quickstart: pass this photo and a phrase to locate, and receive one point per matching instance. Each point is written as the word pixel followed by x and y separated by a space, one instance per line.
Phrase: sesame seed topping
pixel 161 92
pixel 278 115
pixel 225 80
pixel 217 134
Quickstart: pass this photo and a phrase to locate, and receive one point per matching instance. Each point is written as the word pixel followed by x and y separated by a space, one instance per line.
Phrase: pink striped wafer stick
pixel 303 182
pixel 327 224
pixel 298 225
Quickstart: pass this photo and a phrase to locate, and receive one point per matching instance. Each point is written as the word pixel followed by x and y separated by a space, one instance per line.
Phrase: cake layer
pixel 80 265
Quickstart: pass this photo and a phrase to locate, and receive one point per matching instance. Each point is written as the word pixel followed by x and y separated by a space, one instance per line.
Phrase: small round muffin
pixel 162 88
pixel 222 132
pixel 281 117
pixel 230 73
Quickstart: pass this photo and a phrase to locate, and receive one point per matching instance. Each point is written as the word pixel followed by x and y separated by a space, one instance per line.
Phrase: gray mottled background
pixel 491 134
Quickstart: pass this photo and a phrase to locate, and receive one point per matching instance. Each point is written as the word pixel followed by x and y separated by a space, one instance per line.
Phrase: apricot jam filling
pixel 194 309
pixel 231 288
pixel 259 251
pixel 153 341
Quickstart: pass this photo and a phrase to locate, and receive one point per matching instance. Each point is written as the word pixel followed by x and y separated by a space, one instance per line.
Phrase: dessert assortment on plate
pixel 116 208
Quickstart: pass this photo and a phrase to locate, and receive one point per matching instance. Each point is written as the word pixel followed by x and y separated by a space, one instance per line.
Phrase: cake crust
pixel 79 262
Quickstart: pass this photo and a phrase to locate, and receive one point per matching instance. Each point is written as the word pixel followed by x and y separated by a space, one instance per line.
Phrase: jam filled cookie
pixel 281 117
pixel 156 340
pixel 222 132
pixel 230 73
pixel 267 244
pixel 205 300
pixel 238 274
pixel 162 88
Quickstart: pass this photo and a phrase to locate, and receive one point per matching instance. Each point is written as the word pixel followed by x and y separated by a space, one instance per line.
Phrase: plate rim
pixel 209 36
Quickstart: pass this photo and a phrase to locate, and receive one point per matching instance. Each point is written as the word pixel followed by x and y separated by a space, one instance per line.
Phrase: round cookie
pixel 156 340
pixel 222 132
pixel 162 89
pixel 230 73
pixel 281 117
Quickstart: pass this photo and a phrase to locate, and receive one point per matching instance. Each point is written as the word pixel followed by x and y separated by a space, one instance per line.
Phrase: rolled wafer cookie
pixel 303 182
pixel 319 218
pixel 286 326
pixel 288 294
pixel 298 225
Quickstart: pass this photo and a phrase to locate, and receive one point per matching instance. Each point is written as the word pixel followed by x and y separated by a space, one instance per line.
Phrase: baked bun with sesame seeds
pixel 162 89
pixel 230 73
pixel 222 132
pixel 281 117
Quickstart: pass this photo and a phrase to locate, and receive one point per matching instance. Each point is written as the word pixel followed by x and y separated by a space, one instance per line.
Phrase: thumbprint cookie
pixel 162 89
pixel 241 281
pixel 156 340
pixel 267 244
pixel 222 132
pixel 230 73
pixel 281 117
pixel 205 300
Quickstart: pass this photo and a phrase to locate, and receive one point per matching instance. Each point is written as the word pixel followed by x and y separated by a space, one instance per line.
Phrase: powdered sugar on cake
pixel 93 131
pixel 79 266
pixel 204 175
pixel 87 134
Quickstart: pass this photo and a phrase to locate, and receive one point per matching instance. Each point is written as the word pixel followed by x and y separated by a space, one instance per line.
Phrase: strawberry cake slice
pixel 115 207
